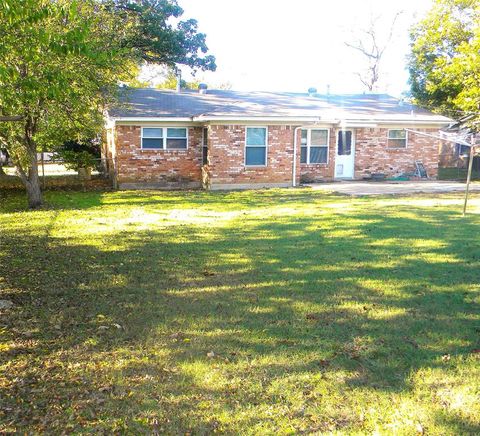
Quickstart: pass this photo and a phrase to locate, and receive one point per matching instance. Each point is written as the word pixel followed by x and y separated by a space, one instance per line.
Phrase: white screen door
pixel 345 155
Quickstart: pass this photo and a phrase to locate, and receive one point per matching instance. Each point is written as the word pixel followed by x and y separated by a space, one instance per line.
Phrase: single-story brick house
pixel 224 139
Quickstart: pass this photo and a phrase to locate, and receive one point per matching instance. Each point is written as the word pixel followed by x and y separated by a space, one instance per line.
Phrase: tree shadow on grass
pixel 15 201
pixel 123 339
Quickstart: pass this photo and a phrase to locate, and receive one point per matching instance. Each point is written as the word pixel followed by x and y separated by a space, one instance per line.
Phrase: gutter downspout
pixel 294 170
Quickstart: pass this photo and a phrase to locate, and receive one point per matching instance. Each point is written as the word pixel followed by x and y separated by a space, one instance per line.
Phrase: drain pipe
pixel 294 170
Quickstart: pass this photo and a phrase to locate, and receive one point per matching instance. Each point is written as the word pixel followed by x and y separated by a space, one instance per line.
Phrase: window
pixel 344 143
pixel 205 147
pixel 176 138
pixel 397 138
pixel 256 146
pixel 304 146
pixel 314 146
pixel 161 138
pixel 461 150
pixel 152 138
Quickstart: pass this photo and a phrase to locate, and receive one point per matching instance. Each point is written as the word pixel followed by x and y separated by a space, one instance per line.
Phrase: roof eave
pixel 151 119
pixel 358 122
pixel 290 119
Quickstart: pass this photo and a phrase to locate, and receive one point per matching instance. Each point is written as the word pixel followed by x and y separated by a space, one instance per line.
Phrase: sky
pixel 291 45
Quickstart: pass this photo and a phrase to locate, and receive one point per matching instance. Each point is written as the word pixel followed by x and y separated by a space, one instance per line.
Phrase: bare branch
pixel 371 49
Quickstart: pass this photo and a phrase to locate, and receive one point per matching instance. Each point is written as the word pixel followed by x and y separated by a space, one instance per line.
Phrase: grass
pixel 267 312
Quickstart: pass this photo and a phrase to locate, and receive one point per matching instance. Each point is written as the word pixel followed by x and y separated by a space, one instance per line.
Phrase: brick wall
pixel 226 168
pixel 373 156
pixel 226 144
pixel 158 168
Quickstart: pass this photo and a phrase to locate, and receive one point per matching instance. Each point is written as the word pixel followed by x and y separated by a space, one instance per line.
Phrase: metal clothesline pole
pixel 469 176
pixel 457 140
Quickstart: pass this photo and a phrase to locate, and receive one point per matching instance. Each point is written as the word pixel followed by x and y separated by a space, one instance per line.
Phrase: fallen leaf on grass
pixel 324 363
pixel 105 388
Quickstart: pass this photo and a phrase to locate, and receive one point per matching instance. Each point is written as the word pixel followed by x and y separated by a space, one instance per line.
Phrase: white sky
pixel 291 45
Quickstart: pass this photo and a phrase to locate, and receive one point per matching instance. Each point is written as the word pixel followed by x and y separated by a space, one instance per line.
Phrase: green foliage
pixel 91 146
pixel 74 160
pixel 61 62
pixel 158 36
pixel 275 312
pixel 170 82
pixel 59 67
pixel 444 62
pixel 79 154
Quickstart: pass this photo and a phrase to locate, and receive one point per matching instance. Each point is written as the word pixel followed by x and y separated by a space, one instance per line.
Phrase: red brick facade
pixel 157 168
pixel 226 158
pixel 372 154
pixel 324 171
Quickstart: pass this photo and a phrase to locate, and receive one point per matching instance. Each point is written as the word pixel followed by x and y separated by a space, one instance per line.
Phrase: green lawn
pixel 268 312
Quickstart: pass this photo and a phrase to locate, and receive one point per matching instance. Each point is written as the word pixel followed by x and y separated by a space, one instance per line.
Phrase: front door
pixel 345 155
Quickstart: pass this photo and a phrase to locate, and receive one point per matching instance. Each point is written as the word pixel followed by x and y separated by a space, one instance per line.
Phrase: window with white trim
pixel 164 138
pixel 152 138
pixel 256 146
pixel 314 146
pixel 397 138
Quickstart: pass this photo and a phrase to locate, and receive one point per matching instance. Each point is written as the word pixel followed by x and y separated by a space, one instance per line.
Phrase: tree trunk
pixel 32 184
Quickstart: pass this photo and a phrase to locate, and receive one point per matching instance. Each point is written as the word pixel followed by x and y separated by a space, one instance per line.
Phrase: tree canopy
pixel 61 62
pixel 444 62
pixel 157 35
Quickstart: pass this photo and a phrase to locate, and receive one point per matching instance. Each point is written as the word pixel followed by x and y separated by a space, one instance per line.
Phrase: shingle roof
pixel 152 103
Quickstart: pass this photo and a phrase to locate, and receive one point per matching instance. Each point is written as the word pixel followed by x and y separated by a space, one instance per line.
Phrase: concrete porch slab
pixel 362 188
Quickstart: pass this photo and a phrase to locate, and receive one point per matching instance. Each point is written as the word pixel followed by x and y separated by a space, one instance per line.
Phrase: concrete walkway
pixel 361 188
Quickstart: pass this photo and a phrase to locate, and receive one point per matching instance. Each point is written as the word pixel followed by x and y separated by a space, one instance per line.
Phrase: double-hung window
pixel 256 146
pixel 397 138
pixel 164 138
pixel 314 146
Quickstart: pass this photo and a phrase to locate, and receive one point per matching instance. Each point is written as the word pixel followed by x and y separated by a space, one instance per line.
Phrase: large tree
pixel 61 61
pixel 444 62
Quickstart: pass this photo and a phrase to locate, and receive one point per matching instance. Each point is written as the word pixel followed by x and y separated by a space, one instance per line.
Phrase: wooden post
pixel 469 176
pixel 115 173
pixel 43 172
